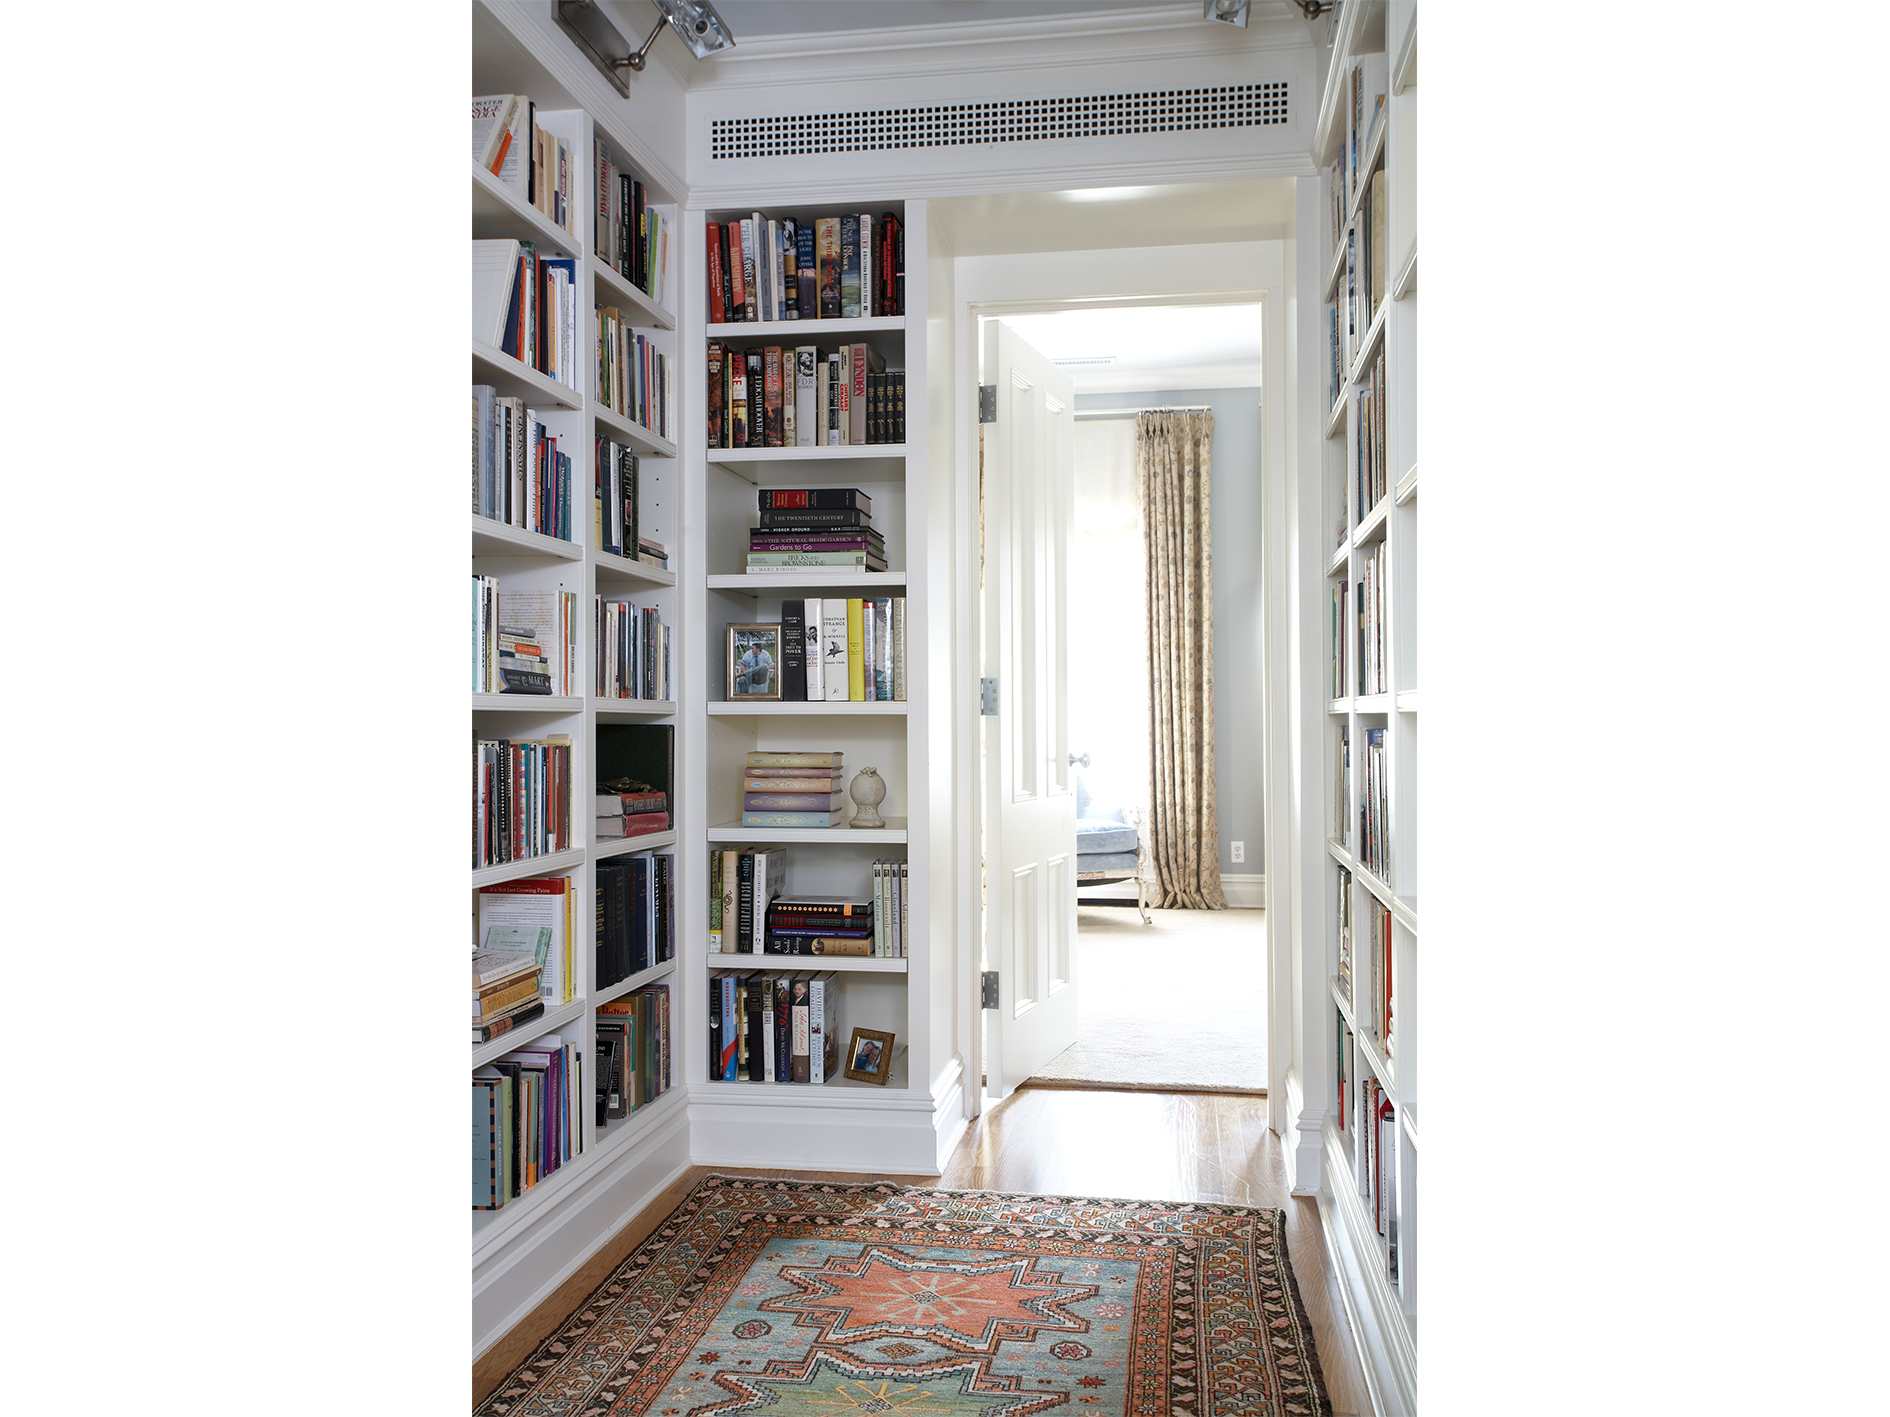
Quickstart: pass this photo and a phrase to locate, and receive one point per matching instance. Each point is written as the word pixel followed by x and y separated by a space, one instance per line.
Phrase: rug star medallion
pixel 795 1298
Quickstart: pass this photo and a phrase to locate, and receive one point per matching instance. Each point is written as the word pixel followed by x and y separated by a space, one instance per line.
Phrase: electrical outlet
pixel 1239 850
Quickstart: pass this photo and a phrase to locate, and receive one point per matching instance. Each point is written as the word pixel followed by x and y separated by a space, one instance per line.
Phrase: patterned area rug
pixel 795 1298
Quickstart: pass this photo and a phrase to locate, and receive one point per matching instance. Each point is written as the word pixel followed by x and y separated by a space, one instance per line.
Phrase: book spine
pixel 899 648
pixel 744 902
pixel 750 273
pixel 793 801
pixel 856 652
pixel 817 1031
pixel 827 254
pixel 805 411
pixel 793 651
pixel 773 430
pixel 849 267
pixel 791 819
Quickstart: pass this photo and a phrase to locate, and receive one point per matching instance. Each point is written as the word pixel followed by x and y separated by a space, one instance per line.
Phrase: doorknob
pixel 1077 762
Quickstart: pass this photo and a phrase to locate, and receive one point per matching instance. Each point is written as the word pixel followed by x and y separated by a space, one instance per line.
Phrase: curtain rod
pixel 1132 412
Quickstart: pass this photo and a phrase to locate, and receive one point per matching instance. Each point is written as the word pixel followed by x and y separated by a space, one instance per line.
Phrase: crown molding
pixel 996 46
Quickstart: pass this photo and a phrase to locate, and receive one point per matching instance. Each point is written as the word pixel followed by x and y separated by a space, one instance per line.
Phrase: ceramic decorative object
pixel 868 791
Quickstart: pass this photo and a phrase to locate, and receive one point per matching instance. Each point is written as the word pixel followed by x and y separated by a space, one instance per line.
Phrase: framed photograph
pixel 870 1056
pixel 754 662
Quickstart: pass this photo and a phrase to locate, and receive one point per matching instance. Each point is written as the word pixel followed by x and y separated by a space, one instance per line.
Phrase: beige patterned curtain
pixel 1171 461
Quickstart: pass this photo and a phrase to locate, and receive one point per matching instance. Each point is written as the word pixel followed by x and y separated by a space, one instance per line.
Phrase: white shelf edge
pixel 1374 154
pixel 1339 705
pixel 810 579
pixel 1337 565
pixel 1331 286
pixel 612 564
pixel 526 703
pixel 617 286
pixel 1407 701
pixel 767 329
pixel 1337 414
pixel 856 964
pixel 552 1020
pixel 735 834
pixel 533 866
pixel 1372 525
pixel 1374 333
pixel 838 1090
pixel 1342 1211
pixel 608 846
pixel 503 538
pixel 1350 20
pixel 548 389
pixel 519 209
pixel 1404 63
pixel 724 457
pixel 1406 488
pixel 775 708
pixel 1406 280
pixel 632 984
pixel 632 708
pixel 636 434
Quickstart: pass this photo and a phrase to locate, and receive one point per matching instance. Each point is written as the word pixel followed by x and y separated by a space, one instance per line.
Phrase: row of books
pixel 617 505
pixel 539 166
pixel 618 815
pixel 1366 261
pixel 1376 1130
pixel 634 377
pixel 520 476
pixel 1369 593
pixel 1339 635
pixel 636 919
pixel 521 798
pixel 1374 809
pixel 1373 1008
pixel 775 1028
pixel 1342 783
pixel 523 641
pixel 527 306
pixel 526 1121
pixel 1342 917
pixel 1370 476
pixel 526 923
pixel 850 649
pixel 1363 95
pixel 811 780
pixel 506 990
pixel 831 268
pixel 630 234
pixel 778 396
pixel 748 914
pixel 633 652
pixel 633 1052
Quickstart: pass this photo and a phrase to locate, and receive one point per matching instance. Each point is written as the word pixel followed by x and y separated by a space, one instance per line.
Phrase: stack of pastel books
pixel 793 790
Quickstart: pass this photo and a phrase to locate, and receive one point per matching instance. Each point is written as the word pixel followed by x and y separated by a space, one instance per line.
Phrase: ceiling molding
pixel 996 46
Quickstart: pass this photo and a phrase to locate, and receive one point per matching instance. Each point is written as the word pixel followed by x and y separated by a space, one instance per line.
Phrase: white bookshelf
pixel 533 1238
pixel 786 1124
pixel 1383 1308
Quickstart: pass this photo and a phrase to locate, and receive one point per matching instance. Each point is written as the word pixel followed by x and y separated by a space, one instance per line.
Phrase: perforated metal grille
pixel 1029 120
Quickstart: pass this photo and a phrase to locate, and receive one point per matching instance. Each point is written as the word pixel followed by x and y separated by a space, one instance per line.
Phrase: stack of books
pixel 787 396
pixel 821 925
pixel 831 268
pixel 815 528
pixel 844 649
pixel 774 1027
pixel 505 982
pixel 535 916
pixel 793 790
pixel 621 814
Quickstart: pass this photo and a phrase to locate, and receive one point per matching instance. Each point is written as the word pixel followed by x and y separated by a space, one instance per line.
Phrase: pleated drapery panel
pixel 1171 460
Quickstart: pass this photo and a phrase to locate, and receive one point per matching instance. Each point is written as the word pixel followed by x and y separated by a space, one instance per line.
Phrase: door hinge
pixel 987 698
pixel 987 403
pixel 988 986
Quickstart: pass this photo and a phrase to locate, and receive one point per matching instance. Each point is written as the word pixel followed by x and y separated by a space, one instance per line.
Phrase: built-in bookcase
pixel 513 52
pixel 848 1124
pixel 1369 268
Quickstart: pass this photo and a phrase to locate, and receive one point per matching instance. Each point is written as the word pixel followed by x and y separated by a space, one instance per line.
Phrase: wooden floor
pixel 1127 1145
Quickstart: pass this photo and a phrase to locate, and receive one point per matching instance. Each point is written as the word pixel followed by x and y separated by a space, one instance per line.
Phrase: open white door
pixel 1030 810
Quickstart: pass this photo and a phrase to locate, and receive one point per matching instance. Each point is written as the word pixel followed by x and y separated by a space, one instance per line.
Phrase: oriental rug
pixel 796 1298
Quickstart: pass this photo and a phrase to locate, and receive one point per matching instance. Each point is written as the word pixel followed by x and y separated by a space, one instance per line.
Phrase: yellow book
pixel 856 654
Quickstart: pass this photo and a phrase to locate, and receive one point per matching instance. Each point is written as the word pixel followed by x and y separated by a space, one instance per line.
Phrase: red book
pixel 738 291
pixel 771 424
pixel 883 287
pixel 643 823
pixel 715 271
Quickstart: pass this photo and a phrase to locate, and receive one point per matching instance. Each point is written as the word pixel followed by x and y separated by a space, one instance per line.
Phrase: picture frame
pixel 870 1056
pixel 754 663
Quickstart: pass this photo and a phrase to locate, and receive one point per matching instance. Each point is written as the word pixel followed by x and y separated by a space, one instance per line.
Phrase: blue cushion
pixel 1104 834
pixel 1105 861
pixel 1082 796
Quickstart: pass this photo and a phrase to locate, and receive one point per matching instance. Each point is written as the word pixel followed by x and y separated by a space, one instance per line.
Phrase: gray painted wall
pixel 1234 477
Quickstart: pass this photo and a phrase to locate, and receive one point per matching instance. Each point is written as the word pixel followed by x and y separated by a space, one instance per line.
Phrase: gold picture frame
pixel 754 663
pixel 874 1049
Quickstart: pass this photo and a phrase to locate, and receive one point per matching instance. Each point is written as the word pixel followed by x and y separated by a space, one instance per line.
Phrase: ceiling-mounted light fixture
pixel 694 21
pixel 1228 12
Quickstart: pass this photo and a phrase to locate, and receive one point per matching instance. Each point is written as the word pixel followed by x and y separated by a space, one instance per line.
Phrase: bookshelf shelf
pixel 1336 566
pixel 1335 416
pixel 635 434
pixel 490 538
pixel 607 563
pixel 855 964
pixel 1372 528
pixel 498 213
pixel 1407 701
pixel 819 579
pixel 549 1022
pixel 613 288
pixel 605 847
pixel 1372 703
pixel 1368 1045
pixel 512 379
pixel 1405 282
pixel 556 863
pixel 735 834
pixel 636 981
pixel 1374 154
pixel 614 1136
pixel 837 708
pixel 524 703
pixel 790 1094
pixel 1374 335
pixel 632 708
pixel 1334 270
pixel 1338 706
pixel 1406 491
pixel 810 331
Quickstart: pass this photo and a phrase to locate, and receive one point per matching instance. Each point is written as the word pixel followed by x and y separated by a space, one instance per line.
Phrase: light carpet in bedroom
pixel 1176 1006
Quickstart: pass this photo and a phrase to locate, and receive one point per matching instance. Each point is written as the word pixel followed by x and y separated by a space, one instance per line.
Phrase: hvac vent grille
pixel 1030 120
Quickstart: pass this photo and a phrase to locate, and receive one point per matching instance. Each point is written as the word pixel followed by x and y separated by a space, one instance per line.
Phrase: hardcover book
pixel 827 249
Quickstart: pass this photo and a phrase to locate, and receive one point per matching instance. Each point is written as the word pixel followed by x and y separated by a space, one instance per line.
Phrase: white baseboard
pixel 1245 892
pixel 1385 1350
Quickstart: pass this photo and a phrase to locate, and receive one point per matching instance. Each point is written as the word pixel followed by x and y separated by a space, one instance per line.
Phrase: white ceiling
pixel 1156 346
pixel 767 19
